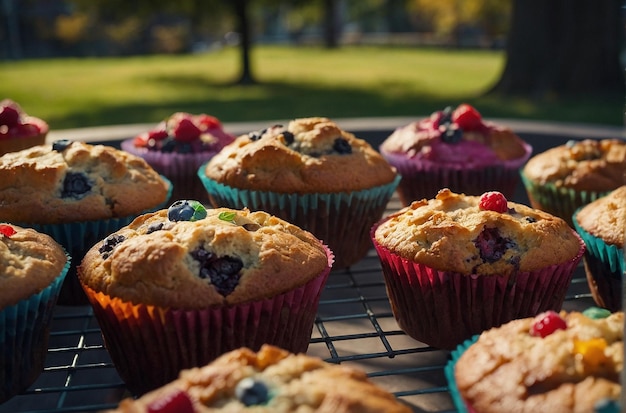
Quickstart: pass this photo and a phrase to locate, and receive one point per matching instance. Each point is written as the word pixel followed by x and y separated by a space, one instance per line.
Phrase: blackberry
pixel 75 185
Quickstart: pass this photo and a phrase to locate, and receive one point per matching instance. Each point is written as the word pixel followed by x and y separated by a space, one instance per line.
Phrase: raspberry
pixel 186 131
pixel 207 122
pixel 467 117
pixel 547 323
pixel 493 201
pixel 177 402
pixel 9 116
pixel 6 230
pixel 157 134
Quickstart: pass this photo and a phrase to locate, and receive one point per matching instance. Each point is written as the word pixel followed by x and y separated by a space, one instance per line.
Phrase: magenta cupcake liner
pixel 422 179
pixel 180 168
pixel 139 337
pixel 442 308
pixel 25 330
pixel 604 268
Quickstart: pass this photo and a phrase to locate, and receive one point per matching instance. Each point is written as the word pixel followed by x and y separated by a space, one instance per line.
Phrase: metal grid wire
pixel 355 326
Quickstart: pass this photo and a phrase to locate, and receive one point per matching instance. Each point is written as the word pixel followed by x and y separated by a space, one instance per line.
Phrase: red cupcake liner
pixel 442 308
pixel 150 345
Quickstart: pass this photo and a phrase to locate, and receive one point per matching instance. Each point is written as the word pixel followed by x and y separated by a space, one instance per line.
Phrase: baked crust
pixel 32 186
pixel 587 165
pixel 296 383
pixel 444 233
pixel 29 262
pixel 509 370
pixel 157 267
pixel 301 158
pixel 605 217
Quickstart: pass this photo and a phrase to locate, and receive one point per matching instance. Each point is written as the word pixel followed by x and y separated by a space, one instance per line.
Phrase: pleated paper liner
pixel 25 330
pixel 442 308
pixel 457 399
pixel 342 220
pixel 422 179
pixel 149 345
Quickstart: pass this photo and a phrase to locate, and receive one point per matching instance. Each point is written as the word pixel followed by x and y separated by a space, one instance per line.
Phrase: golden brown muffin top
pixel 453 233
pixel 309 155
pixel 284 382
pixel 605 217
pixel 586 165
pixel 75 181
pixel 510 369
pixel 228 257
pixel 29 262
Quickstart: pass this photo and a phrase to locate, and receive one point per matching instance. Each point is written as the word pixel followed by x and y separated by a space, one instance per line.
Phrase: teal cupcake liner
pixel 448 371
pixel 559 201
pixel 604 268
pixel 342 220
pixel 78 237
pixel 25 329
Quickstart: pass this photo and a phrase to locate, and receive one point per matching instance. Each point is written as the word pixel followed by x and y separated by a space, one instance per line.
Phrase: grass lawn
pixel 292 82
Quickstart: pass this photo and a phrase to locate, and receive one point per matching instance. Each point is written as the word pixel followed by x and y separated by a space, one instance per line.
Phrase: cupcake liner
pixel 461 405
pixel 559 201
pixel 342 220
pixel 78 237
pixel 422 179
pixel 25 329
pixel 18 144
pixel 604 269
pixel 442 308
pixel 180 168
pixel 139 337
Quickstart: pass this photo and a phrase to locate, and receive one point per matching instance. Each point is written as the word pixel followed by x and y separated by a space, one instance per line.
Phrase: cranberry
pixel 547 323
pixel 177 402
pixel 493 201
pixel 467 117
pixel 7 230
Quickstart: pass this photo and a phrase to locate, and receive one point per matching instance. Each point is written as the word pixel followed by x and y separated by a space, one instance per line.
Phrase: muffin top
pixel 184 133
pixel 605 217
pixel 271 380
pixel 553 362
pixel 477 235
pixel 458 136
pixel 186 257
pixel 309 155
pixel 75 181
pixel 29 262
pixel 586 165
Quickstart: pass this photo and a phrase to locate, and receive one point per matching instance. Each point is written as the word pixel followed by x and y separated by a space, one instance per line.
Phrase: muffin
pixel 177 146
pixel 554 362
pixel 77 193
pixel 270 380
pixel 18 130
pixel 310 173
pixel 457 264
pixel 566 177
pixel 178 287
pixel 602 225
pixel 455 149
pixel 32 269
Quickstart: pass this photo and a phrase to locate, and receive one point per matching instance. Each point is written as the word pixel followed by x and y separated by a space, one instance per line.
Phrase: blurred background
pixel 78 63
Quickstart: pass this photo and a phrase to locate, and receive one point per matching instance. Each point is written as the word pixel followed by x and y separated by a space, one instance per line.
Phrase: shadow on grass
pixel 284 100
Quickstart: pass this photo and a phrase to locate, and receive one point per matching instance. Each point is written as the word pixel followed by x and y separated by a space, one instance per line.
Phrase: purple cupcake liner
pixel 604 268
pixel 25 329
pixel 422 179
pixel 139 337
pixel 442 308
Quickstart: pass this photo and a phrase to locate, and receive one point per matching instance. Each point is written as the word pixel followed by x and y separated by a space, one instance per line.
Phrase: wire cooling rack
pixel 355 326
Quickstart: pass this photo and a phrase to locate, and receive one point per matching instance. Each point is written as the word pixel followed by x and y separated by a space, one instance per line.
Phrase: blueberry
pixel 289 138
pixel 184 147
pixel 342 146
pixel 61 144
pixel 109 245
pixel 491 245
pixel 168 145
pixel 185 210
pixel 154 227
pixel 251 392
pixel 223 272
pixel 446 115
pixel 452 135
pixel 256 135
pixel 75 185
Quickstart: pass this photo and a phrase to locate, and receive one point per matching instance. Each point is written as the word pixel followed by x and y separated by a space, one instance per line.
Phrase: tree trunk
pixel 245 42
pixel 331 27
pixel 563 47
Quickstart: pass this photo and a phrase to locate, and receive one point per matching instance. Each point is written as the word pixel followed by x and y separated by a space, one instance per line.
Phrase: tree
pixel 240 8
pixel 563 47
